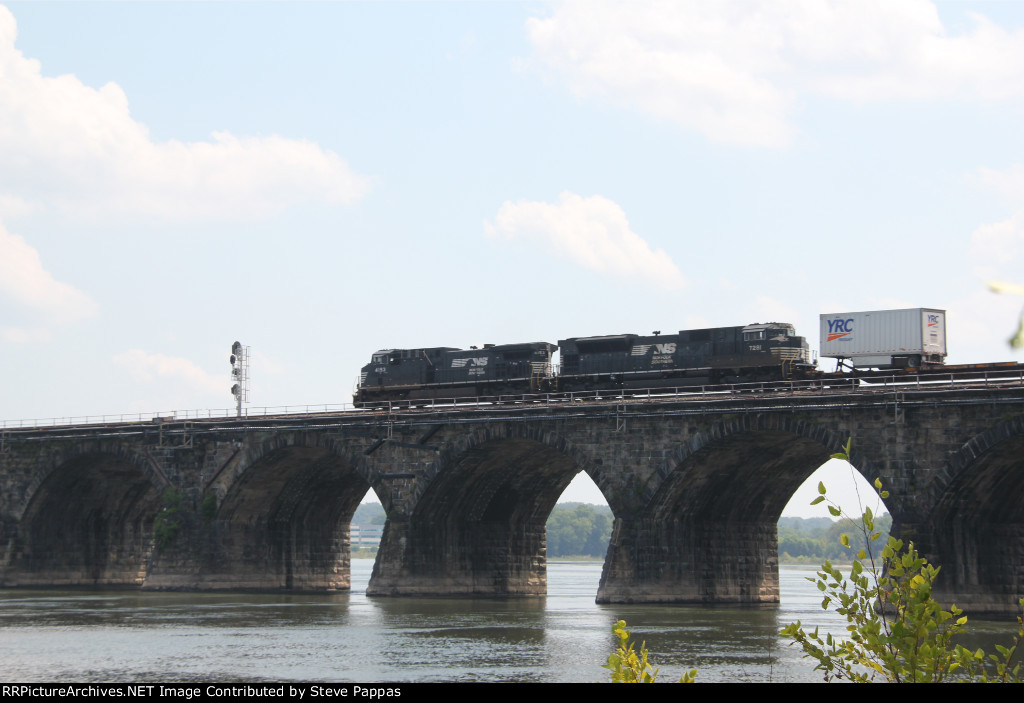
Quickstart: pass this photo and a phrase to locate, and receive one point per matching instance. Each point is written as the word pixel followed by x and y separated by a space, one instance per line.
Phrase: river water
pixel 135 637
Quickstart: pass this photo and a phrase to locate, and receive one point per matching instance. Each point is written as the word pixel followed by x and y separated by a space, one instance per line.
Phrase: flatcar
pixel 448 372
pixel 756 352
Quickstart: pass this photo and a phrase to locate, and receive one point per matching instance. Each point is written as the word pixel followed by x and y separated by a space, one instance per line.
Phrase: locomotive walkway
pixel 696 481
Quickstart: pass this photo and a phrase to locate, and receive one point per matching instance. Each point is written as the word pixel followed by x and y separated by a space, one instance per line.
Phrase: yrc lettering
pixel 840 325
pixel 839 328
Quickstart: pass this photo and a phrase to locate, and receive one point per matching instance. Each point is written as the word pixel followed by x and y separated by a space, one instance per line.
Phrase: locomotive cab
pixel 773 348
pixel 449 372
pixel 778 339
pixel 396 372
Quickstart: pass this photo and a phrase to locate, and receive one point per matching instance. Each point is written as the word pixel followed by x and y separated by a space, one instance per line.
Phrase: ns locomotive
pixel 756 352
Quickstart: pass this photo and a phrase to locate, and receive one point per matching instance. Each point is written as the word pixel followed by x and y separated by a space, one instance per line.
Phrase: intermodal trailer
pixel 885 339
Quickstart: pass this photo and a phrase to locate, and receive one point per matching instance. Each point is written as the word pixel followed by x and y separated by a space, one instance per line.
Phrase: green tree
pixel 898 632
pixel 168 522
pixel 819 538
pixel 575 529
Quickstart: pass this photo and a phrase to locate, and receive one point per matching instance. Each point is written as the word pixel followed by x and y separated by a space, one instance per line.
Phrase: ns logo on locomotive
pixel 757 352
pixel 884 339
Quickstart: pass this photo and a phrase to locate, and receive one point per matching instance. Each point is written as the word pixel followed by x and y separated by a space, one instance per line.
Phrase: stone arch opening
pixel 846 486
pixel 975 531
pixel 89 523
pixel 580 523
pixel 707 531
pixel 478 528
pixel 367 525
pixel 284 523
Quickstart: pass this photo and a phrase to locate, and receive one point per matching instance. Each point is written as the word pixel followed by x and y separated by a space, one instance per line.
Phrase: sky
pixel 321 180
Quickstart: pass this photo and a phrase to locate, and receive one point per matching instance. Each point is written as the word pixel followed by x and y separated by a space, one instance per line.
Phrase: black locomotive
pixel 757 352
pixel 446 372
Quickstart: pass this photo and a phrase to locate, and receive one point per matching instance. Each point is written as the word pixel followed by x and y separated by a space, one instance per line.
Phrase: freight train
pixel 756 352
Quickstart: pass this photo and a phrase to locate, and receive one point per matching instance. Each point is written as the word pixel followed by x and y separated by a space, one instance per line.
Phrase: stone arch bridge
pixel 696 487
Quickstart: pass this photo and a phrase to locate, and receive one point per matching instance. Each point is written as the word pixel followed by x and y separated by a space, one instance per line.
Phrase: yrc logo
pixel 933 320
pixel 840 328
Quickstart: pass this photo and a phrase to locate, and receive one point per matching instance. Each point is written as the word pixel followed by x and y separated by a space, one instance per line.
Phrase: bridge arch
pixel 479 435
pixel 254 453
pixel 283 516
pixel 88 518
pixel 765 449
pixel 706 528
pixel 478 521
pixel 975 527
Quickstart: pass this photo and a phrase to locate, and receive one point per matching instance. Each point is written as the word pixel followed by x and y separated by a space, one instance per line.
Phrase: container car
pixel 885 339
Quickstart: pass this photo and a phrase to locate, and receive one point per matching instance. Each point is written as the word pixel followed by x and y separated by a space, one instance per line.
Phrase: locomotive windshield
pixel 771 330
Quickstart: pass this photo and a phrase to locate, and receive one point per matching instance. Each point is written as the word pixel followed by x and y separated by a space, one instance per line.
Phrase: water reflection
pixel 187 637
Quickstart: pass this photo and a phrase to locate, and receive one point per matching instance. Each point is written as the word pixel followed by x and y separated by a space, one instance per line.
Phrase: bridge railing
pixel 178 415
pixel 818 386
pixel 821 386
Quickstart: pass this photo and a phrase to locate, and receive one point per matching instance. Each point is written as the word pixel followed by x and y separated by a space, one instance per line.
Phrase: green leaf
pixel 821 488
pixel 895 630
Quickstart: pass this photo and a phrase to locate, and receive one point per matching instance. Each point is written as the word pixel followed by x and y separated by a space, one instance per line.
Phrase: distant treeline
pixel 574 529
pixel 579 529
pixel 812 540
pixel 369 514
pixel 583 529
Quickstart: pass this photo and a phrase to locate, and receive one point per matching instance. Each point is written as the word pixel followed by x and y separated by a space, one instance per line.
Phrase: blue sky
pixel 321 180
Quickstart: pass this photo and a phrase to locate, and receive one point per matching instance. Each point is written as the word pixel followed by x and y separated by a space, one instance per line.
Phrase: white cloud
pixel 1009 182
pixel 735 70
pixel 593 232
pixel 997 244
pixel 997 247
pixel 29 286
pixel 11 206
pixel 77 147
pixel 773 310
pixel 24 335
pixel 979 325
pixel 983 320
pixel 146 367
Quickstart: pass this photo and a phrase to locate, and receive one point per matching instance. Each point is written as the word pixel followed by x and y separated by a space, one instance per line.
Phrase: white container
pixel 885 338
